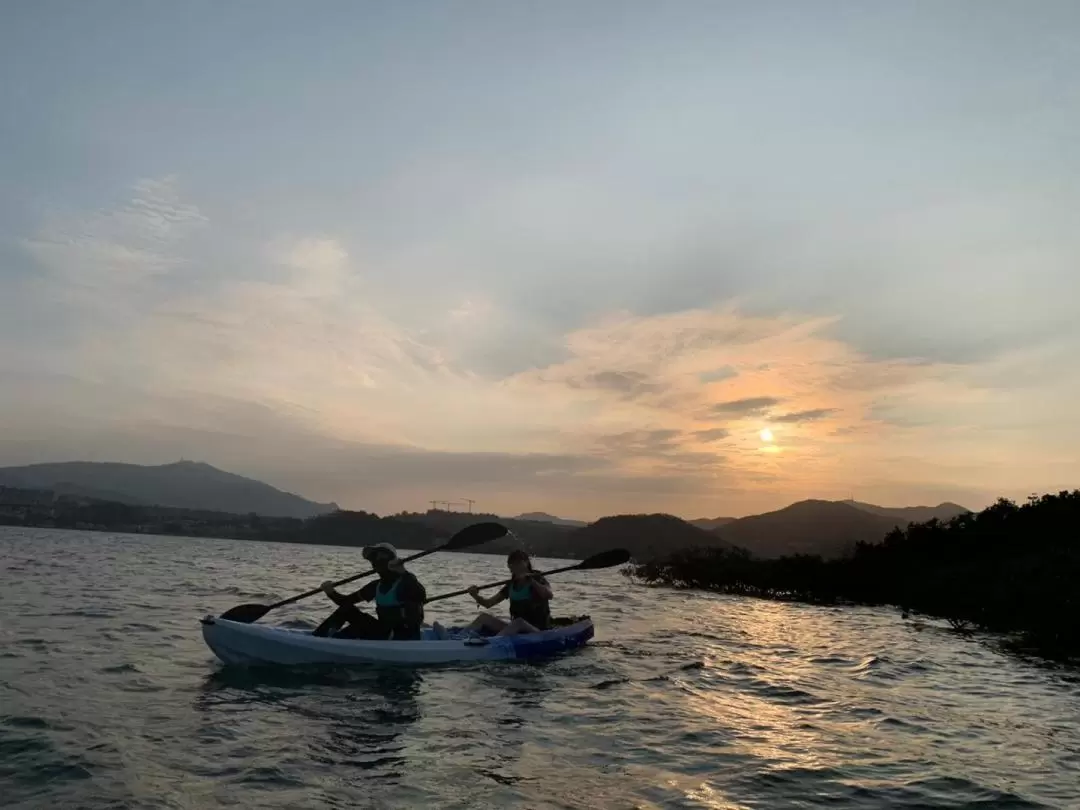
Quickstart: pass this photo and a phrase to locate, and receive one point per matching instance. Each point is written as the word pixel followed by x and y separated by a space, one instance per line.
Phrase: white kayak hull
pixel 258 645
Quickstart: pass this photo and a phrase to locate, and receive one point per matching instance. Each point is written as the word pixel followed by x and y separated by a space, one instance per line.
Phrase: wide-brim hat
pixel 380 548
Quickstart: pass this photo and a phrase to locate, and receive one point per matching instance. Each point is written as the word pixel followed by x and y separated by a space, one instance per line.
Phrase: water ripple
pixel 685 699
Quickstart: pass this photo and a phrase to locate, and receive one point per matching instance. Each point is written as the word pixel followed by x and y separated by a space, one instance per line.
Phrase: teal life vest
pixel 527 604
pixel 521 594
pixel 391 611
pixel 387 598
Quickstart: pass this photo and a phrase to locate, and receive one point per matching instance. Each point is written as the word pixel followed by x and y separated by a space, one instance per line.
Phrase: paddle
pixel 472 535
pixel 605 559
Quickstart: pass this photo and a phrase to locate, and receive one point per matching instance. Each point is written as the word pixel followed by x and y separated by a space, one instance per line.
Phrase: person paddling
pixel 529 595
pixel 398 596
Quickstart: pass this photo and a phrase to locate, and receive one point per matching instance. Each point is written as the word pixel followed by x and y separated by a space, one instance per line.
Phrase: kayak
pixel 257 645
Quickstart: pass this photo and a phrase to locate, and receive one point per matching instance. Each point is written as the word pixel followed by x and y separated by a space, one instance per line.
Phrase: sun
pixel 766 435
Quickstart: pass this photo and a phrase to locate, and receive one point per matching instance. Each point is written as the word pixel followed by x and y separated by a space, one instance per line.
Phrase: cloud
pixel 811 415
pixel 97 277
pixel 629 384
pixel 624 381
pixel 301 368
pixel 717 375
pixel 320 266
pixel 110 249
pixel 640 442
pixel 746 407
pixel 711 434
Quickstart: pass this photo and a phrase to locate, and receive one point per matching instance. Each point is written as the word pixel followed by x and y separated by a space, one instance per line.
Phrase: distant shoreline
pixel 485 550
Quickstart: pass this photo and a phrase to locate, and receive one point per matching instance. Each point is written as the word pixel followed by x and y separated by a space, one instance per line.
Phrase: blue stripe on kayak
pixel 543 644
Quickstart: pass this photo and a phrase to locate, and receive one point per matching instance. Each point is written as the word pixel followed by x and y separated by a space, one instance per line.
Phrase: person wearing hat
pixel 398 596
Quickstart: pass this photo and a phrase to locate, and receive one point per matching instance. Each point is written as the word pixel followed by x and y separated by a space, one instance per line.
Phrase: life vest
pixel 388 606
pixel 527 604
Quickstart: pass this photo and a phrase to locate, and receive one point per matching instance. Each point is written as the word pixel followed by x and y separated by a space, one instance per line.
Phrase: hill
pixel 644 536
pixel 913 514
pixel 826 528
pixel 544 517
pixel 184 484
pixel 902 516
pixel 711 524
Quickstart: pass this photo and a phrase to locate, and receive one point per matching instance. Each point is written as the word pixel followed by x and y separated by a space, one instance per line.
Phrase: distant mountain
pixel 544 517
pixel 828 528
pixel 644 536
pixel 184 484
pixel 913 514
pixel 710 524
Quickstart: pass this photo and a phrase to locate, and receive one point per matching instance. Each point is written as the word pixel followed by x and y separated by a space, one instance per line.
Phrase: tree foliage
pixel 1009 568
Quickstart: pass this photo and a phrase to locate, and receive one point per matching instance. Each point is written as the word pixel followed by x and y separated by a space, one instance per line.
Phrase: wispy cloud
pixel 717 375
pixel 640 442
pixel 309 360
pixel 112 249
pixel 630 384
pixel 711 434
pixel 745 407
pixel 345 274
pixel 810 415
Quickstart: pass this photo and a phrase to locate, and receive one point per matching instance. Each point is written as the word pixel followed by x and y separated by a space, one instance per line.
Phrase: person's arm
pixel 365 594
pixel 502 594
pixel 540 586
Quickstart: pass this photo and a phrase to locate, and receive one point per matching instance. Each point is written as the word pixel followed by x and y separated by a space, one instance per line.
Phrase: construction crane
pixel 436 505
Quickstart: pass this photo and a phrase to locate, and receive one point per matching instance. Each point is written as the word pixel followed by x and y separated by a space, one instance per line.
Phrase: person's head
pixel 382 556
pixel 519 563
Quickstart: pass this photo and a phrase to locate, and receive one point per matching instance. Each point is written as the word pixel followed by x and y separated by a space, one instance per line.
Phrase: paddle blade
pixel 246 614
pixel 474 535
pixel 605 559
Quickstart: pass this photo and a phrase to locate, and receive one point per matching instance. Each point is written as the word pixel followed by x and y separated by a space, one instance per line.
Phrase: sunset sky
pixel 705 258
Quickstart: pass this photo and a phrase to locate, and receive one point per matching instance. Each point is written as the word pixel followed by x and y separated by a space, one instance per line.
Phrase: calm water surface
pixel 109 699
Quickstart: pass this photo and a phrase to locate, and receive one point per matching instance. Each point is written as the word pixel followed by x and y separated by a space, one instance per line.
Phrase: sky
pixel 704 258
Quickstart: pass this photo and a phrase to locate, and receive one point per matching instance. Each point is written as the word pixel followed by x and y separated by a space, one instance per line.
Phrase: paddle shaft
pixel 472 535
pixel 500 582
pixel 347 580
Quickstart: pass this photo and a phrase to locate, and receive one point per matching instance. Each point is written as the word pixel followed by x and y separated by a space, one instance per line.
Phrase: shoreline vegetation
pixel 412 530
pixel 1011 569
